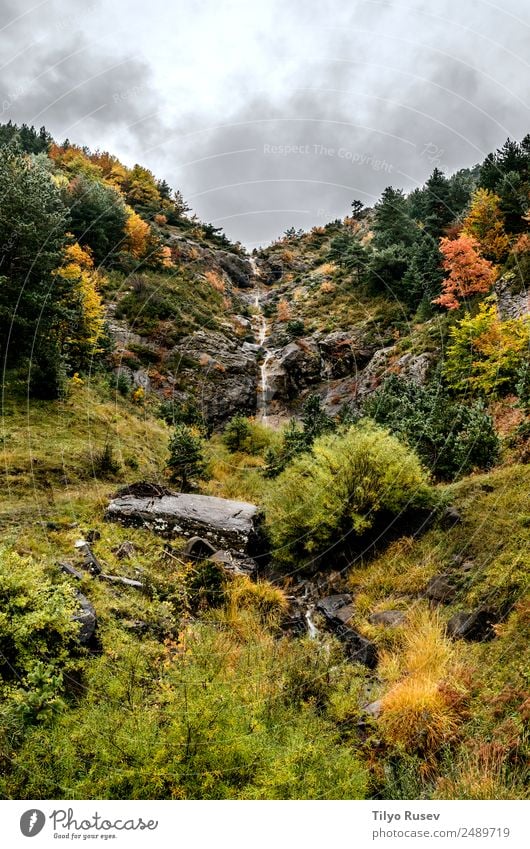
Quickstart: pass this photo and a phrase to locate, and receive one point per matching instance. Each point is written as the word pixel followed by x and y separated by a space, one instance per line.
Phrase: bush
pixel 340 487
pixel 450 437
pixel 295 327
pixel 36 616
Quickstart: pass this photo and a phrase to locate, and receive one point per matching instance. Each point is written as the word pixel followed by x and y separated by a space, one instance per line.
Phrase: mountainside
pixel 335 605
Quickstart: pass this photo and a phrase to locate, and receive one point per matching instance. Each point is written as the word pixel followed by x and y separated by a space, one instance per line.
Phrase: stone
pixel 198 548
pixel 93 535
pixel 474 626
pixel 374 708
pixel 234 563
pixel 224 378
pixel 126 582
pixel 68 569
pixel 237 268
pixel 87 619
pixel 450 517
pixel 414 367
pixel 391 618
pixel 223 523
pixel 90 561
pixel 125 551
pixel 328 606
pixel 440 588
pixel 338 610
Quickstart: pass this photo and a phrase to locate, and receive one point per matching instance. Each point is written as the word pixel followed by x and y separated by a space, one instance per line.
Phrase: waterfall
pixel 260 329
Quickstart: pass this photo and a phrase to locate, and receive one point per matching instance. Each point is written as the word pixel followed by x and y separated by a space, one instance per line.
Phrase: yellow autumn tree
pixel 83 333
pixel 137 234
pixel 485 223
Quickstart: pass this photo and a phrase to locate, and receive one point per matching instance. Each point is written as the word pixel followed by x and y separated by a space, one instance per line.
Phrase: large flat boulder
pixel 225 524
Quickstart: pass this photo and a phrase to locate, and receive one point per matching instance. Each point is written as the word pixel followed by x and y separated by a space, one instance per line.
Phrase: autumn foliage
pixel 485 222
pixel 468 272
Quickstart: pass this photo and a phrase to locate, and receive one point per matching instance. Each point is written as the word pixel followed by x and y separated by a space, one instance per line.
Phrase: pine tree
pixel 186 457
pixel 438 212
pixel 392 224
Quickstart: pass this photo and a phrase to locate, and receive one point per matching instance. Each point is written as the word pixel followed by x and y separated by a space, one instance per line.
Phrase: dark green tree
pixel 393 224
pixel 356 259
pixel 450 437
pixel 33 223
pixel 186 458
pixel 237 433
pixel 387 268
pixel 338 247
pixel 423 277
pixel 357 210
pixel 438 213
pixel 98 217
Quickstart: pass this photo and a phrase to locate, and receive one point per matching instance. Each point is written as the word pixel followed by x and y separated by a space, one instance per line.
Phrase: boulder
pixel 223 523
pixel 86 617
pixel 338 610
pixel 440 588
pixel 474 626
pixel 342 354
pixel 238 269
pixel 450 517
pixel 390 618
pixel 301 362
pixel 68 569
pixel 374 708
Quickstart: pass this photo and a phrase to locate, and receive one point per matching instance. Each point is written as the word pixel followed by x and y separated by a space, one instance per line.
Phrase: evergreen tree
pixel 422 280
pixel 392 224
pixel 438 212
pixel 186 457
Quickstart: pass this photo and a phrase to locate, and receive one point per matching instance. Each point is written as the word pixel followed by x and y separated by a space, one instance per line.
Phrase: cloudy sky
pixel 274 113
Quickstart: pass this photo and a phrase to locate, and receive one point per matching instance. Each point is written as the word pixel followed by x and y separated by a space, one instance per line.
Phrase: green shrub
pixel 35 617
pixel 341 486
pixel 450 437
pixel 210 718
pixel 295 327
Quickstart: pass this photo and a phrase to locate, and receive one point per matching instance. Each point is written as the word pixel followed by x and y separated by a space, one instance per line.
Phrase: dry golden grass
pixel 416 716
pixel 215 280
pixel 260 597
pixel 422 709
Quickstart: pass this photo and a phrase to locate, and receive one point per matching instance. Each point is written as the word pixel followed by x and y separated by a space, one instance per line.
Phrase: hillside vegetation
pixel 389 459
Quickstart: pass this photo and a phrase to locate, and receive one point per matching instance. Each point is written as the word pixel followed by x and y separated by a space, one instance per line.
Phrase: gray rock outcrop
pixel 223 523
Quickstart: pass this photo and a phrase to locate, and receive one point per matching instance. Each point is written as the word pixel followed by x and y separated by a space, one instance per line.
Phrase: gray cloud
pixel 281 115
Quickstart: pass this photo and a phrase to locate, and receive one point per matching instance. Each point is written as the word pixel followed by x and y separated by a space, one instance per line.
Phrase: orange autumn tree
pixel 469 273
pixel 485 222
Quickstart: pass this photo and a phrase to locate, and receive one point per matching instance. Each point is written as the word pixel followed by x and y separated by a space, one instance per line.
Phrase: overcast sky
pixel 272 114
